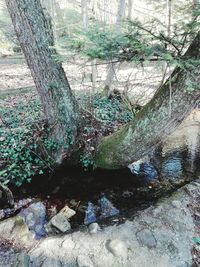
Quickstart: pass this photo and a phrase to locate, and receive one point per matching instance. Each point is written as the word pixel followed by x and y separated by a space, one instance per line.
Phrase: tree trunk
pixel 113 67
pixel 84 11
pixel 196 4
pixel 130 9
pixel 35 36
pixel 120 15
pixel 157 119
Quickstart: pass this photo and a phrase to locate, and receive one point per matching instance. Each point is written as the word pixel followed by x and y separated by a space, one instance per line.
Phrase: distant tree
pixel 84 12
pixel 130 9
pixel 112 68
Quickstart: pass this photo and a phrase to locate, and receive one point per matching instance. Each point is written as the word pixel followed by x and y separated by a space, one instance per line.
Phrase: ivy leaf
pixel 196 240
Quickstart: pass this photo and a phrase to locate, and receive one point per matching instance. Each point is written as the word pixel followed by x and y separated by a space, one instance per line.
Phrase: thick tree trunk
pixel 158 118
pixel 35 36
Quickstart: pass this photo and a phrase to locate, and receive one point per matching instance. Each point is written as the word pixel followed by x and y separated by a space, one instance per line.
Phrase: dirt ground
pixel 140 83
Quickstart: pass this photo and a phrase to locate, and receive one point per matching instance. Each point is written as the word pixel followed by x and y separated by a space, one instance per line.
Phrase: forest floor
pixel 138 82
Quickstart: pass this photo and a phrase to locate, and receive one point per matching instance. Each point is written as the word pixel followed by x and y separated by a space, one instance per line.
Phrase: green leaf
pixel 196 240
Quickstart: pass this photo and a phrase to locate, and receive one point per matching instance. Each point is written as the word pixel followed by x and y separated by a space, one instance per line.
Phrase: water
pixel 181 151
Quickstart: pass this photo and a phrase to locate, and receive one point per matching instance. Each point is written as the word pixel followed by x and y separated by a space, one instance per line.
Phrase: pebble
pixel 117 248
pixel 93 228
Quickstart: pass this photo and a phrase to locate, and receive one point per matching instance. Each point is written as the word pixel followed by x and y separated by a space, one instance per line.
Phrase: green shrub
pixel 18 148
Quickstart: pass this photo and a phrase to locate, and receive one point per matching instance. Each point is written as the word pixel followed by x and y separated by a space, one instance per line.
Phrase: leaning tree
pixel 136 139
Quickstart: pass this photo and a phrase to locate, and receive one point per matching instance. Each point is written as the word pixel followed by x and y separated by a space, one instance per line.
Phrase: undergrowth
pixel 20 133
pixel 19 159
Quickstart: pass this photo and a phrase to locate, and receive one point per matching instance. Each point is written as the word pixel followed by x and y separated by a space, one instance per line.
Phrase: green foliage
pixel 196 240
pixel 86 161
pixel 18 148
pixel 111 110
pixel 104 44
pixel 140 42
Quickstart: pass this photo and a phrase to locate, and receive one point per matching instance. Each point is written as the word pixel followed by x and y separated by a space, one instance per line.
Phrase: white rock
pixel 61 223
pixel 93 228
pixel 67 212
pixel 117 248
pixel 84 261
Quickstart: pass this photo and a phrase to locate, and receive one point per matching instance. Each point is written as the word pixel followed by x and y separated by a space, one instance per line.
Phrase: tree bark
pixel 130 9
pixel 35 36
pixel 113 67
pixel 196 4
pixel 158 118
pixel 84 12
pixel 120 15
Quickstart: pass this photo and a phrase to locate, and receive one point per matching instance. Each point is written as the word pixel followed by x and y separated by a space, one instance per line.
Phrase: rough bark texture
pixel 130 9
pixel 156 120
pixel 120 15
pixel 35 36
pixel 84 11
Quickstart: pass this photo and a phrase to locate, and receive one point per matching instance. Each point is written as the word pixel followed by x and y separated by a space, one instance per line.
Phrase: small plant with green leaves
pixel 111 110
pixel 19 149
pixel 86 161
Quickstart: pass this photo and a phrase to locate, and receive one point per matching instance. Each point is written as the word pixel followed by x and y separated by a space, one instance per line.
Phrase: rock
pixel 67 212
pixel 60 221
pixel 107 208
pixel 93 228
pixel 146 238
pixel 90 214
pixel 22 260
pixel 84 261
pixel 35 218
pixel 145 169
pixel 172 168
pixel 16 229
pixel 117 248
pixel 9 212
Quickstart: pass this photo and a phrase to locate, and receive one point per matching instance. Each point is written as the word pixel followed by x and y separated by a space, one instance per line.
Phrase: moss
pixel 106 156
